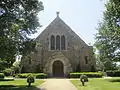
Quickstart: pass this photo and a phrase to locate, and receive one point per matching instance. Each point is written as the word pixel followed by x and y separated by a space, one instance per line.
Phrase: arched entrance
pixel 58 69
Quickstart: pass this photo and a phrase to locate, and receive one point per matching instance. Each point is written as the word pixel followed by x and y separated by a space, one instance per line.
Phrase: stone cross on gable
pixel 57 14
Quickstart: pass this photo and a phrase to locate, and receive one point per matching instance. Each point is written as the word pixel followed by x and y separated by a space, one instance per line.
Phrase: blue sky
pixel 81 15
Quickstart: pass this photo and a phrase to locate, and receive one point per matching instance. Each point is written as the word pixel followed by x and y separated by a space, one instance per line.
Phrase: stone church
pixel 59 51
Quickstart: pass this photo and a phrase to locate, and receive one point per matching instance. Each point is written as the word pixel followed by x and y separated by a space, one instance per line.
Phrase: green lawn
pixel 20 84
pixel 97 84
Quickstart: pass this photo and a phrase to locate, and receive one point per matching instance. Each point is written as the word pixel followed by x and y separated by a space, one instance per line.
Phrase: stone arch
pixel 58 69
pixel 57 56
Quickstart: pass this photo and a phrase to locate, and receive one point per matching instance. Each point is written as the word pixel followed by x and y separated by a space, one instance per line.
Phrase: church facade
pixel 59 51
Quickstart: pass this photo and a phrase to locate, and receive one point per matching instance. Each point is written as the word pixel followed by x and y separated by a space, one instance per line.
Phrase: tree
pixel 18 20
pixel 3 64
pixel 108 36
pixel 16 67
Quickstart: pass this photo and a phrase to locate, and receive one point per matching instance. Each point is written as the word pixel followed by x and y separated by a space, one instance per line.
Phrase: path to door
pixel 57 84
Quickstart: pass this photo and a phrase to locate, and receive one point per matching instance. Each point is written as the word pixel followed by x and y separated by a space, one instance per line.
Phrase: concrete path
pixel 57 84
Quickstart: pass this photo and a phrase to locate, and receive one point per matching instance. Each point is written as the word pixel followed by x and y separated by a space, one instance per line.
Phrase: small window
pixel 86 59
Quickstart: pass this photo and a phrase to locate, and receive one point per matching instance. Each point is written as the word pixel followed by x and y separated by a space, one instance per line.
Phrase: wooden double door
pixel 58 69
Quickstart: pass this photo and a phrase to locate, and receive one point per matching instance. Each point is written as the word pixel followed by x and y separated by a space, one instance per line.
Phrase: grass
pixel 97 84
pixel 19 84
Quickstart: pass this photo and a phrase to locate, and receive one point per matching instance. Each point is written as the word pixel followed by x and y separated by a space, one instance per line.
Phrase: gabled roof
pixel 58 20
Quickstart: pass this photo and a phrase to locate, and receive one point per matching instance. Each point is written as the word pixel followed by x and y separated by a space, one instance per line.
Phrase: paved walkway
pixel 57 84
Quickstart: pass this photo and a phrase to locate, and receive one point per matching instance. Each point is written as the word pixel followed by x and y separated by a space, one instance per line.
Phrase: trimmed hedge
pixel 4 79
pixel 114 80
pixel 41 75
pixel 2 75
pixel 114 73
pixel 7 71
pixel 37 75
pixel 88 74
pixel 23 75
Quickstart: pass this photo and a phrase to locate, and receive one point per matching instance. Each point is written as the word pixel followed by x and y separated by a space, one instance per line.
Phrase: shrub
pixel 41 75
pixel 4 79
pixel 2 76
pixel 13 75
pixel 15 69
pixel 30 79
pixel 7 71
pixel 23 75
pixel 88 74
pixel 114 80
pixel 37 75
pixel 83 79
pixel 114 73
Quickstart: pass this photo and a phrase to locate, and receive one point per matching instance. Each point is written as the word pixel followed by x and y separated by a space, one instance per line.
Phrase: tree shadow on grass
pixel 19 87
pixel 83 86
pixel 114 80
pixel 80 84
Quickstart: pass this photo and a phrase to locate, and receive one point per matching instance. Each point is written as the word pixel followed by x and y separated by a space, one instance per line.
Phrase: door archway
pixel 58 69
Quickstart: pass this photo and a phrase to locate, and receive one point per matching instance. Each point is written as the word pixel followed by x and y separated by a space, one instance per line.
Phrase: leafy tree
pixel 16 67
pixel 3 64
pixel 18 20
pixel 108 36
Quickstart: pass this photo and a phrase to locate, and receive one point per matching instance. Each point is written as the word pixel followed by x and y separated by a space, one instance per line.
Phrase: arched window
pixel 63 43
pixel 57 42
pixel 52 42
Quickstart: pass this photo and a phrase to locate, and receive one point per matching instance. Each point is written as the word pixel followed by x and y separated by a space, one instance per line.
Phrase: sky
pixel 82 16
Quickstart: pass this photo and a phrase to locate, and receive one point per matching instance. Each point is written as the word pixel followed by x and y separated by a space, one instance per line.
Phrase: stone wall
pixel 73 56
